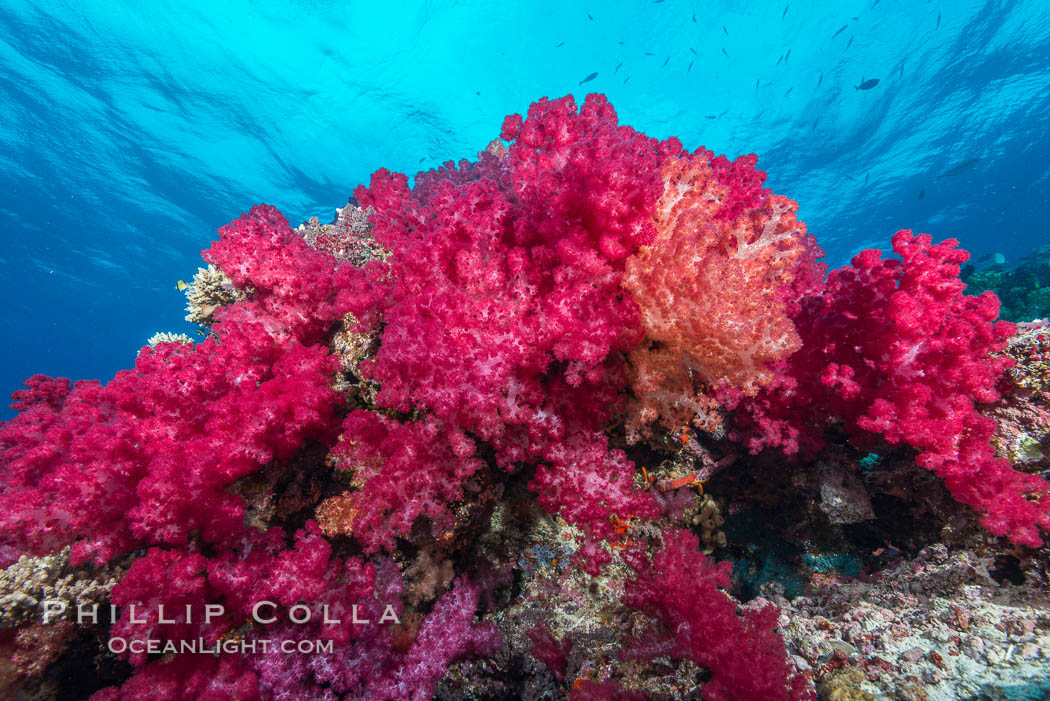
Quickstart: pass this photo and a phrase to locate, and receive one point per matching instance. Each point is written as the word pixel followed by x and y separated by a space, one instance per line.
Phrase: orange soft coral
pixel 710 288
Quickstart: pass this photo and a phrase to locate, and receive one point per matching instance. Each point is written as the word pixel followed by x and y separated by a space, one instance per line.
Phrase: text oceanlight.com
pixel 234 647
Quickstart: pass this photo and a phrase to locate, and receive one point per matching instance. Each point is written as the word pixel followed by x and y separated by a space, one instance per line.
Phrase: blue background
pixel 129 132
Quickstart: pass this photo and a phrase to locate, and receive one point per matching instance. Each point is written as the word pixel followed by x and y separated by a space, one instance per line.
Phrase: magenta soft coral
pixel 681 589
pixel 147 458
pixel 895 349
pixel 500 305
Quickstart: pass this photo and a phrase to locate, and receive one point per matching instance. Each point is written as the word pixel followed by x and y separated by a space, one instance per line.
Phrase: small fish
pixel 757 81
pixel 649 53
pixel 626 79
pixel 589 17
pixel 902 71
pixel 815 123
pixel 560 45
pixel 938 21
pixel 657 2
pixel 789 91
pixel 849 43
pixel 724 30
pixel 850 179
pixel 922 194
pixel 840 31
pixel 478 93
pixel 785 12
pixel 780 59
pixel 180 285
pixel 710 116
pixel 787 56
pixel 690 66
pixel 620 43
pixel 821 81
pixel 694 17
pixel 961 168
pixel 867 84
pixel 665 62
pixel 724 52
pixel 589 78
pixel 866 176
pixel 617 67
pixel 422 159
pixel 693 50
pixel 874 4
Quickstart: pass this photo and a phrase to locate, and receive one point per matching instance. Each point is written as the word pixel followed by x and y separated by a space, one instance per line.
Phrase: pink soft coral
pixel 895 349
pixel 680 587
pixel 500 305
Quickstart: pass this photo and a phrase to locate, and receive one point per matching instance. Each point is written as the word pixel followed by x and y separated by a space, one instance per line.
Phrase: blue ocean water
pixel 129 132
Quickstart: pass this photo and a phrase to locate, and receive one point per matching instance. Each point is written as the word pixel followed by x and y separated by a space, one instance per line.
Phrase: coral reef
pixel 540 425
pixel 1021 289
pixel 37 586
pixel 210 290
pixel 932 627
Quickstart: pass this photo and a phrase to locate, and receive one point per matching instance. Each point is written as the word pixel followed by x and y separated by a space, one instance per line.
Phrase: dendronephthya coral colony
pixel 502 415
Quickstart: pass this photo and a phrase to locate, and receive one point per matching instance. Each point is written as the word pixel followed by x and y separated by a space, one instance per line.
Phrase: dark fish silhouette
pixel 961 168
pixel 694 17
pixel 867 84
pixel 724 30
pixel 589 78
pixel 649 53
pixel 874 4
pixel 617 67
pixel 560 45
pixel 785 12
pixel 665 62
pixel 589 17
pixel 724 52
pixel 690 67
pixel 938 21
pixel 657 2
pixel 922 193
pixel 710 116
pixel 849 178
pixel 757 81
pixel 866 176
pixel 849 43
pixel 620 43
pixel 787 56
pixel 902 71
pixel 626 79
pixel 780 59
pixel 840 31
pixel 821 81
pixel 815 123
pixel 693 50
pixel 422 159
pixel 789 91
